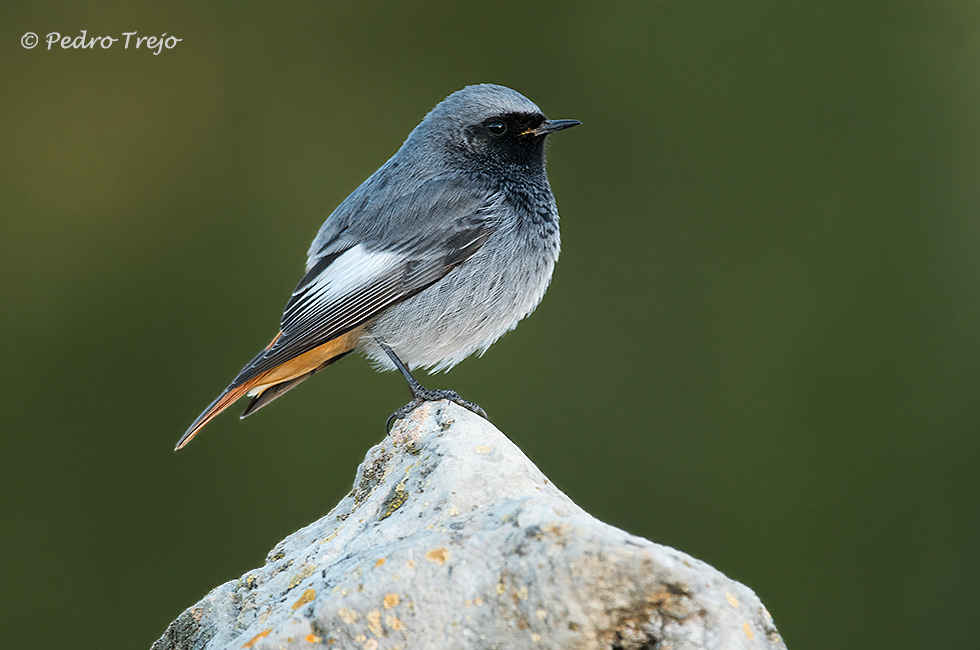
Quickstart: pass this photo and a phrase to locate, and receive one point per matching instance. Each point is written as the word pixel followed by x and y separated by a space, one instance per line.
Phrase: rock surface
pixel 452 538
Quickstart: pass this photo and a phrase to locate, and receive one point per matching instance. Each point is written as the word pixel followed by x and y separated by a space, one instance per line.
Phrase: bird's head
pixel 490 126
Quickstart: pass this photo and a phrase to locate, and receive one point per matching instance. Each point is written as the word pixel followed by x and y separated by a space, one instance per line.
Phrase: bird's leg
pixel 422 394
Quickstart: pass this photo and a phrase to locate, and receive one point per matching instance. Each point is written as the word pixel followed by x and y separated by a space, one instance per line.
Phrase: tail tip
pixel 188 436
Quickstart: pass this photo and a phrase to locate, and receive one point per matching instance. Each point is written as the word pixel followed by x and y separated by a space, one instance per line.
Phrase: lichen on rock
pixel 452 538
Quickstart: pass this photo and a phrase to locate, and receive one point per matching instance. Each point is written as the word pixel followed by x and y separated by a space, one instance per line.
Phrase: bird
pixel 442 250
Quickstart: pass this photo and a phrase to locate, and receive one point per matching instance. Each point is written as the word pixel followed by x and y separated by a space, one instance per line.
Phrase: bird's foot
pixel 423 395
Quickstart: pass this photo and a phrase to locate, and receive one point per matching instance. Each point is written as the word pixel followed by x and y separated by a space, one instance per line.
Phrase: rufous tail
pixel 274 382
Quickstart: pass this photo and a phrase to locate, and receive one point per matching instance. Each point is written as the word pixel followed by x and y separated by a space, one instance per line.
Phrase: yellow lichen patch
pixel 390 600
pixel 438 555
pixel 501 588
pixel 522 593
pixel 749 634
pixel 312 638
pixel 307 597
pixel 535 637
pixel 255 639
pixel 482 449
pixel 410 564
pixel 380 561
pixel 347 615
pixel 374 622
pixel 361 638
pixel 541 614
pixel 307 571
pixel 393 623
pixel 557 529
pixel 395 501
pixel 661 598
pixel 732 600
pixel 371 644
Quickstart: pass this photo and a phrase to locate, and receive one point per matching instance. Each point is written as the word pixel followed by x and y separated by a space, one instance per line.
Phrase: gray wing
pixel 386 252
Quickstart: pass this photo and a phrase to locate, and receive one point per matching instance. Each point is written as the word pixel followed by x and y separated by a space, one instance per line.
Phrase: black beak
pixel 551 126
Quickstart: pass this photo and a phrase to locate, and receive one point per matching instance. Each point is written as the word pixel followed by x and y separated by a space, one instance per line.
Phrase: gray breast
pixel 483 298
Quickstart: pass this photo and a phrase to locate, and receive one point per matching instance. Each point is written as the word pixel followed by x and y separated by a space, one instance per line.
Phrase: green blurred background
pixel 761 346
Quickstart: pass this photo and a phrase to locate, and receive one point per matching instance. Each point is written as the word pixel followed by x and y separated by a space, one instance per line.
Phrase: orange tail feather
pixel 298 367
pixel 224 400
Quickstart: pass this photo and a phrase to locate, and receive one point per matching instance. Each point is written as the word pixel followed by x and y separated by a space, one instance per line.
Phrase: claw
pixel 422 394
pixel 427 395
pixel 403 412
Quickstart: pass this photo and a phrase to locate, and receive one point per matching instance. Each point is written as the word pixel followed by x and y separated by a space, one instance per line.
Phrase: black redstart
pixel 435 256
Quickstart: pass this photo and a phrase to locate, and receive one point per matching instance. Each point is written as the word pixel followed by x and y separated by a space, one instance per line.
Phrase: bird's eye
pixel 496 127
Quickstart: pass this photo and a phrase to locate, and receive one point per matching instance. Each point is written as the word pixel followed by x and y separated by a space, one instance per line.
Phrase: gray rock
pixel 452 538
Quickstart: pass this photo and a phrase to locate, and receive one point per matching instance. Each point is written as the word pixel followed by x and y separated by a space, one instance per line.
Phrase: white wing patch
pixel 352 272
